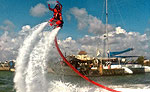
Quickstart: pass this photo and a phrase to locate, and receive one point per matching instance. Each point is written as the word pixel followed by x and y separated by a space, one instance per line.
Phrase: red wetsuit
pixel 57 14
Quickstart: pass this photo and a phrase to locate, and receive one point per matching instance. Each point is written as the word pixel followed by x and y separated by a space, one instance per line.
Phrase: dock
pixel 7 66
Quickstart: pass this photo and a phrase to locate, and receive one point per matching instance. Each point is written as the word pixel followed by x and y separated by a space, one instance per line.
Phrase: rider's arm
pixel 60 5
pixel 50 7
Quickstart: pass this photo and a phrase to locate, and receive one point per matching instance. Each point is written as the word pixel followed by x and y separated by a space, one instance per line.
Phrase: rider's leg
pixel 51 20
pixel 58 22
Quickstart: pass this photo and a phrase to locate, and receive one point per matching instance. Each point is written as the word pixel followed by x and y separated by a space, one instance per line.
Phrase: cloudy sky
pixel 84 24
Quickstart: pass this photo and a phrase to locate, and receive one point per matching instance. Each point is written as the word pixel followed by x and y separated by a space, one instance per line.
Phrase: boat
pixel 7 66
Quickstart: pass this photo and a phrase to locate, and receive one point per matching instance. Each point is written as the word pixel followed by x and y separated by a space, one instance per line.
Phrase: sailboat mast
pixel 107 45
pixel 106 19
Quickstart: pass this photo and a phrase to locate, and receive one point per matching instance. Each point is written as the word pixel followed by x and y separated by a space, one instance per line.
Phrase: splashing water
pixel 31 61
pixel 23 58
pixel 36 79
pixel 59 86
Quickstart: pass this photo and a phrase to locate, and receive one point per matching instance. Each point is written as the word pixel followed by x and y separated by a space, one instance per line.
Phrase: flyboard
pixel 56 25
pixel 83 76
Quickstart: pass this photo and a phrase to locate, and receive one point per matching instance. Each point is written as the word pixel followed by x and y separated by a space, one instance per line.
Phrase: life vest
pixel 57 14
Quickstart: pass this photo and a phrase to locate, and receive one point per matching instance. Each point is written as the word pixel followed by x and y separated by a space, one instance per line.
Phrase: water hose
pixel 83 76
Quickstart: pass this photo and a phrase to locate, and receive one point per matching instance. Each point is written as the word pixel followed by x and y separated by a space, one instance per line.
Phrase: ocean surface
pixel 62 83
pixel 6 81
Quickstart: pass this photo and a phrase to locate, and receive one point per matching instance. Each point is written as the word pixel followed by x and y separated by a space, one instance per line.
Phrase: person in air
pixel 57 17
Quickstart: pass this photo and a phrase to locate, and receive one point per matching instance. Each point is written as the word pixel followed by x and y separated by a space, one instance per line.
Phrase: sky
pixel 84 20
pixel 131 15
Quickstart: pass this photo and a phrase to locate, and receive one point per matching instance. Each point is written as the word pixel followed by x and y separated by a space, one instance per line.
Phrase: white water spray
pixel 36 79
pixel 23 57
pixel 31 61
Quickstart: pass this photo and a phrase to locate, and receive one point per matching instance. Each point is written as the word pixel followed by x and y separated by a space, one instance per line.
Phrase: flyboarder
pixel 57 20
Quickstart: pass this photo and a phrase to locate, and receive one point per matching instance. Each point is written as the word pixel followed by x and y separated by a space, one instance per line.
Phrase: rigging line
pixel 119 13
pixel 83 76
pixel 103 10
pixel 147 25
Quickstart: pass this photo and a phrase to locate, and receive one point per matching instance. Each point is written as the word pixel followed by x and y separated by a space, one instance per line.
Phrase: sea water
pixel 127 83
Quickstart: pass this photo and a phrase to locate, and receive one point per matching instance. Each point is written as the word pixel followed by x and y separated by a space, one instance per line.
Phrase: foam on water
pixel 132 90
pixel 59 86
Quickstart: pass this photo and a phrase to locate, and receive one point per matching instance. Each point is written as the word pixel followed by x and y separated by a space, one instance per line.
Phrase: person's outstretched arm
pixel 59 4
pixel 50 7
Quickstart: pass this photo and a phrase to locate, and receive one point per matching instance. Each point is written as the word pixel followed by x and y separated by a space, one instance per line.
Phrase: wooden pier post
pixel 101 69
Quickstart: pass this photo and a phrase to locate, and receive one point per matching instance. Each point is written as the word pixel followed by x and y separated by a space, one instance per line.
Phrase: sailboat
pixel 128 68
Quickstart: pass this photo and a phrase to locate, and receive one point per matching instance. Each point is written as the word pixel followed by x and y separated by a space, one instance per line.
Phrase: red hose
pixel 74 69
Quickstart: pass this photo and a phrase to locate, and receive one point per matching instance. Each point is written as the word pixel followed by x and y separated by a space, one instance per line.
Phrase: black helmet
pixel 57 6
